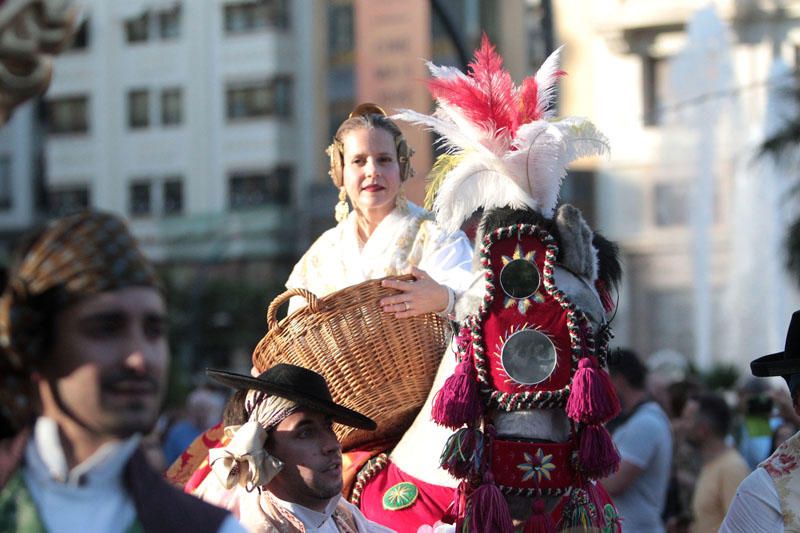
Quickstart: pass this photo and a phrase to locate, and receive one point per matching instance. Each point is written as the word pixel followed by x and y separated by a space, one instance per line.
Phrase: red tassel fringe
pixel 489 511
pixel 597 454
pixel 593 399
pixel 458 402
pixel 540 520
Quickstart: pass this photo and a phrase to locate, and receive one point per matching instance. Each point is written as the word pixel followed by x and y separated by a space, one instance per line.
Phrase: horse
pixel 408 488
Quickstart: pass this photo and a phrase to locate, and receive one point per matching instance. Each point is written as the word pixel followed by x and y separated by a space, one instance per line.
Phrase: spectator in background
pixel 782 434
pixel 685 461
pixel 708 421
pixel 754 433
pixel 664 369
pixel 644 440
pixel 203 410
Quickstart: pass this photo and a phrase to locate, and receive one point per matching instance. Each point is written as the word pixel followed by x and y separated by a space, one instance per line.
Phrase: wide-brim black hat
pixel 783 363
pixel 299 385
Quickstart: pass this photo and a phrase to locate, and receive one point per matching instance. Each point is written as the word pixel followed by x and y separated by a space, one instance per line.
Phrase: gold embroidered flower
pixel 538 466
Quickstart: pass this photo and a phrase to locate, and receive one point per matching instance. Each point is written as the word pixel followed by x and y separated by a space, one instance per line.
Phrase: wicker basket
pixel 377 364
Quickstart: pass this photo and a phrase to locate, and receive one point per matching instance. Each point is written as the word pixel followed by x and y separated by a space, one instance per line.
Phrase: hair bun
pixel 367 108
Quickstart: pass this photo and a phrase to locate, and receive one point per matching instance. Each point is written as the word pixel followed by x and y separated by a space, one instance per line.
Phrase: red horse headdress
pixel 526 345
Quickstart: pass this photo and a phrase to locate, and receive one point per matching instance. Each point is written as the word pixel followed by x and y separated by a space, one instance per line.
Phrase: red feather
pixel 489 97
pixel 528 98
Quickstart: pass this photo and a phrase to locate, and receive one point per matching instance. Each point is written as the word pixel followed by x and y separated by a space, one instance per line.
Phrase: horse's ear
pixel 576 251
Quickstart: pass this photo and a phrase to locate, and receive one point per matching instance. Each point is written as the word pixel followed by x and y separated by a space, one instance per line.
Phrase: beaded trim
pixel 513 491
pixel 577 324
pixel 366 474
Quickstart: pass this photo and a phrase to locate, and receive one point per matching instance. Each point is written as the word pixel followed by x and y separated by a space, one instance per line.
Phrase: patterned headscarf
pixel 70 258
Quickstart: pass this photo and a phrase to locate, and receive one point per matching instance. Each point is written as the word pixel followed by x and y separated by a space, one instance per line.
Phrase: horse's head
pixel 530 393
pixel 535 334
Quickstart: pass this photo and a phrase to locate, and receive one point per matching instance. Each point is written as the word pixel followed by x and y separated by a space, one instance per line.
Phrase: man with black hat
pixel 83 357
pixel 768 500
pixel 284 461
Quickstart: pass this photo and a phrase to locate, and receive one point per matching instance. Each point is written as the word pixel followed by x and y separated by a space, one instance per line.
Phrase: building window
pixel 156 24
pixel 171 106
pixel 655 80
pixel 796 49
pixel 244 17
pixel 5 183
pixel 68 114
pixel 65 200
pixel 262 99
pixel 173 196
pixel 139 199
pixel 341 40
pixel 260 188
pixel 169 23
pixel 671 204
pixel 137 30
pixel 80 41
pixel 578 189
pixel 282 95
pixel 138 108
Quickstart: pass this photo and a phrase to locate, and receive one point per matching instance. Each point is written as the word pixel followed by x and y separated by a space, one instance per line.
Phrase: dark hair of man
pixel 715 411
pixel 625 363
pixel 679 393
pixel 235 414
pixel 48 303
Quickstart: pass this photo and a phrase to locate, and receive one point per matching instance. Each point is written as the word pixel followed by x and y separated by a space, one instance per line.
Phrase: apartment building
pixel 686 91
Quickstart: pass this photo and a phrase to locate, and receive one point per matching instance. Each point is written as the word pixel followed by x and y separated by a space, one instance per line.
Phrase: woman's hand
pixel 420 296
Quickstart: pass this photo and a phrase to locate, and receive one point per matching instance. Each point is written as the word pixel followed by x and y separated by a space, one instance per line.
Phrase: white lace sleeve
pixel 448 259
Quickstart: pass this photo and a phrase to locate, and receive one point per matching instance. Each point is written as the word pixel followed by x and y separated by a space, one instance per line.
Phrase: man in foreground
pixel 768 500
pixel 83 355
pixel 284 460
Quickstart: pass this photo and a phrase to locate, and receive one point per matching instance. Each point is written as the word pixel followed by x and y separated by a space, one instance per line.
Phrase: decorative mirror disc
pixel 528 357
pixel 520 279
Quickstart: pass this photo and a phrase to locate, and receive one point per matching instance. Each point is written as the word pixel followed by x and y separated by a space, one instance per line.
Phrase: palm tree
pixel 783 146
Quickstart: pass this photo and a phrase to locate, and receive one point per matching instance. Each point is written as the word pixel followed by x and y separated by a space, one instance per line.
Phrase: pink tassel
pixel 463 452
pixel 458 402
pixel 540 520
pixel 457 511
pixel 489 511
pixel 596 452
pixel 593 399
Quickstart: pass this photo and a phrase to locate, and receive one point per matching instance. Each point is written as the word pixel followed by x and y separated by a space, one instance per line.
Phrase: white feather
pixel 445 72
pixel 583 138
pixel 496 143
pixel 474 184
pixel 546 83
pixel 462 136
pixel 537 165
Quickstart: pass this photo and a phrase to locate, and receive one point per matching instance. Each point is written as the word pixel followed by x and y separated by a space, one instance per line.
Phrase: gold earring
pixel 342 207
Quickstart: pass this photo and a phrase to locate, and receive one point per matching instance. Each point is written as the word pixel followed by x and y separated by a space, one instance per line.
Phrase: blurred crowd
pixel 687 445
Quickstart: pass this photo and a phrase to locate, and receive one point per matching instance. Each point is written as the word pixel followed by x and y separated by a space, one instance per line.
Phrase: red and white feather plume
pixel 504 145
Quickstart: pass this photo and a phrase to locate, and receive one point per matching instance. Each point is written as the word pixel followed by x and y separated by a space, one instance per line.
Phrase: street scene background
pixel 205 124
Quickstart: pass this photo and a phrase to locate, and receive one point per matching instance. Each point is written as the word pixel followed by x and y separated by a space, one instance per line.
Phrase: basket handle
pixel 272 310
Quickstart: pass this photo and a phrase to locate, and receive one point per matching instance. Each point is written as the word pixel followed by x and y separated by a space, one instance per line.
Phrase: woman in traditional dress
pixel 384 234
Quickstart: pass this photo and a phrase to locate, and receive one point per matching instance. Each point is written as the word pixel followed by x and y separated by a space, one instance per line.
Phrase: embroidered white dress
pixel 403 239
